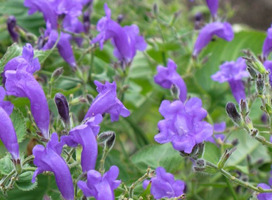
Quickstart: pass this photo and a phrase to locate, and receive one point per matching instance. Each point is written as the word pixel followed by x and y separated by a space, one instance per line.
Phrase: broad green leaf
pixel 6 165
pixel 19 124
pixel 24 181
pixel 12 51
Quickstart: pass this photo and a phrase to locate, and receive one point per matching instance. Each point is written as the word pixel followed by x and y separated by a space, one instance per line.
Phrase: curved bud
pixel 63 107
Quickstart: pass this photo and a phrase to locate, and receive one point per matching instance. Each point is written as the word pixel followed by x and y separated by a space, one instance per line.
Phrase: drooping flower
pixel 49 159
pixel 213 6
pixel 126 40
pixel 63 45
pixel 183 125
pixel 164 185
pixel 268 66
pixel 267 45
pixel 233 72
pixel 107 102
pixel 222 30
pixel 84 135
pixel 22 84
pixel 25 62
pixel 100 187
pixel 166 77
pixel 7 132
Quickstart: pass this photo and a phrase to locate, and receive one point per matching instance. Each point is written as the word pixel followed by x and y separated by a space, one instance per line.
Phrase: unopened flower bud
pixel 106 138
pixel 225 157
pixel 120 18
pixel 233 114
pixel 254 62
pixel 63 107
pixel 235 142
pixel 243 107
pixel 252 72
pixel 260 84
pixel 155 8
pixel 56 74
pixel 175 91
pixel 11 25
pixel 199 165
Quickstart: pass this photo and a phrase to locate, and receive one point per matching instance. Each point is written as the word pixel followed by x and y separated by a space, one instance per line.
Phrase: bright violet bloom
pixel 267 45
pixel 83 135
pixel 100 187
pixel 166 77
pixel 222 30
pixel 233 72
pixel 22 84
pixel 7 132
pixel 107 102
pixel 268 66
pixel 126 40
pixel 25 62
pixel 183 125
pixel 164 185
pixel 64 45
pixel 49 159
pixel 213 6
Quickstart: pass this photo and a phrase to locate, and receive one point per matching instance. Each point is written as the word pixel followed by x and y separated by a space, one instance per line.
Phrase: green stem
pixel 102 161
pixel 62 77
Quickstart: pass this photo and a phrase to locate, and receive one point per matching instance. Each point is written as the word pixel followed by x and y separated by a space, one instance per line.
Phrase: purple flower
pixel 64 46
pixel 264 196
pixel 183 125
pixel 84 135
pixel 164 185
pixel 217 128
pixel 267 45
pixel 268 66
pixel 22 84
pixel 100 187
pixel 166 77
pixel 233 72
pixel 126 40
pixel 222 30
pixel 26 62
pixel 49 159
pixel 107 102
pixel 11 25
pixel 213 6
pixel 7 132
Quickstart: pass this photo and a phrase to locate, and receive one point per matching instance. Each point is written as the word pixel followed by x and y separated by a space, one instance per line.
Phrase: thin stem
pixel 102 161
pixel 62 77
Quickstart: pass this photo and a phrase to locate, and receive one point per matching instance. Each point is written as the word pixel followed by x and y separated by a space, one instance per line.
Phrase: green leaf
pixel 158 155
pixel 19 124
pixel 211 153
pixel 6 165
pixel 12 51
pixel 24 181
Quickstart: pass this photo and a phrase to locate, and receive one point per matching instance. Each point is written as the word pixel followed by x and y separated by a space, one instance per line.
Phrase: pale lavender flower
pixel 7 132
pixel 213 6
pixel 126 40
pixel 267 45
pixel 218 128
pixel 233 72
pixel 183 125
pixel 100 187
pixel 107 102
pixel 49 159
pixel 168 76
pixel 164 185
pixel 20 83
pixel 222 30
pixel 84 135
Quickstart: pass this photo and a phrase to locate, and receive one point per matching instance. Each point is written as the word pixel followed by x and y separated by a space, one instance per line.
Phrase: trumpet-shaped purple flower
pixel 25 62
pixel 268 66
pixel 183 125
pixel 64 46
pixel 49 159
pixel 233 72
pixel 84 135
pixel 126 40
pixel 22 84
pixel 166 77
pixel 267 45
pixel 107 102
pixel 222 30
pixel 213 6
pixel 100 187
pixel 7 132
pixel 164 185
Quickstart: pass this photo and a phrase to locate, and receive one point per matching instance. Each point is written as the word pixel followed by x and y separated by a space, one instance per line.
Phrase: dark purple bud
pixel 233 113
pixel 11 25
pixel 198 21
pixel 120 18
pixel 198 17
pixel 63 107
pixel 86 21
pixel 243 107
pixel 264 118
pixel 57 73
